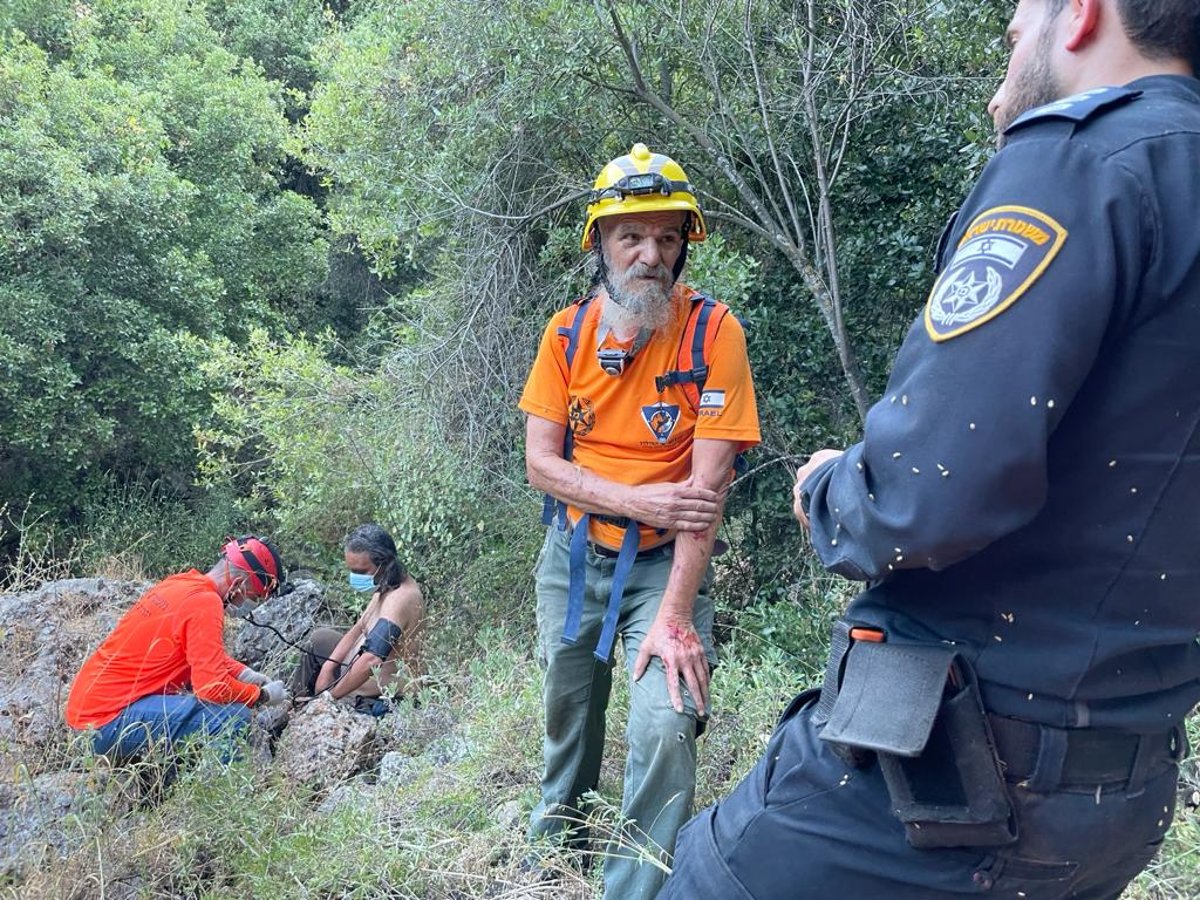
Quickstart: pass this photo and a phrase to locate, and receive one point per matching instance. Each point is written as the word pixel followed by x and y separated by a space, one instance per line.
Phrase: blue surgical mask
pixel 362 582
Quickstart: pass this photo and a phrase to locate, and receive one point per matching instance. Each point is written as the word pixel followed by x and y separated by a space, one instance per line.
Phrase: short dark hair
pixel 379 546
pixel 1160 29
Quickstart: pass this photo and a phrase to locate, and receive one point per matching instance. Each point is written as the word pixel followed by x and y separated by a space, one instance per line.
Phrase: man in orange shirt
pixel 163 673
pixel 637 405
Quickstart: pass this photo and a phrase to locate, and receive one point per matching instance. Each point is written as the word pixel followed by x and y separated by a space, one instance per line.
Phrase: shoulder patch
pixel 1077 108
pixel 1002 253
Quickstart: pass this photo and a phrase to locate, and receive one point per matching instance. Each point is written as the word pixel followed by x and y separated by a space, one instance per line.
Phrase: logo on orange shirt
pixel 661 419
pixel 581 415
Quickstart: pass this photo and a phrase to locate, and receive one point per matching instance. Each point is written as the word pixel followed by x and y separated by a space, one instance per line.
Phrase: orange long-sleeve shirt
pixel 169 640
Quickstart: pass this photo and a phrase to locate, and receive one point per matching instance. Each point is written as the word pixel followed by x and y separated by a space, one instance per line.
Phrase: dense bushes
pixel 173 314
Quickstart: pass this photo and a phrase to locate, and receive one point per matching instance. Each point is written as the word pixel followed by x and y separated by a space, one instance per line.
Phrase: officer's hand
pixel 815 461
pixel 677 644
pixel 682 507
pixel 249 676
pixel 273 693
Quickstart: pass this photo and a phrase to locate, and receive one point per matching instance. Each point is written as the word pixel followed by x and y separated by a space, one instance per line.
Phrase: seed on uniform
pixel 1111 463
pixel 1137 621
pixel 1029 697
pixel 1133 490
pixel 1129 537
pixel 946 473
pixel 1033 401
pixel 870 496
pixel 972 426
pixel 897 549
pixel 904 400
pixel 1162 577
pixel 1007 617
pixel 891 568
pixel 893 400
pixel 1049 404
pixel 833 543
pixel 916 471
pixel 941 468
pixel 896 455
pixel 900 557
pixel 858 466
pixel 999 640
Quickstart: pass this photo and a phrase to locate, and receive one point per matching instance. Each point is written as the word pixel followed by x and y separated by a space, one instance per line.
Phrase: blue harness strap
pixel 577 583
pixel 578 578
pixel 625 560
pixel 571 333
pixel 703 308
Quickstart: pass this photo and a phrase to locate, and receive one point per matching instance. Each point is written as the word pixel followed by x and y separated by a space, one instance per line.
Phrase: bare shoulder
pixel 404 604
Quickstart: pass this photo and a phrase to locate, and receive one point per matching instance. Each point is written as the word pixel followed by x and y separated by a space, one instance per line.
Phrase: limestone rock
pixel 34 819
pixel 45 635
pixel 326 743
pixel 292 614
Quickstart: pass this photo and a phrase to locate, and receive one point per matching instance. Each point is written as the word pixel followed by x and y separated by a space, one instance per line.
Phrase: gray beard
pixel 624 322
pixel 629 311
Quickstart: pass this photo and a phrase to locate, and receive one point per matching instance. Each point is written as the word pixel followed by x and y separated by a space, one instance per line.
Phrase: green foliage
pixel 140 214
pixel 148 530
pixel 277 34
pixel 321 448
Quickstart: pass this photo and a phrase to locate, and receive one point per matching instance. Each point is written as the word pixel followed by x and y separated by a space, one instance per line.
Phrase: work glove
pixel 249 676
pixel 273 693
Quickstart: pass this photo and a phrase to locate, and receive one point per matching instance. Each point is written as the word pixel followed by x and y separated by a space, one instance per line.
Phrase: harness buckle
pixel 612 359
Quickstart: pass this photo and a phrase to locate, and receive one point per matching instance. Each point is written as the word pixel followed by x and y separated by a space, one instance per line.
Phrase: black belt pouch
pixel 918 707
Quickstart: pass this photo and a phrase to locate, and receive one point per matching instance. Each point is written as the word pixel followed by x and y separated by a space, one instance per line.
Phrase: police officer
pixel 638 402
pixel 1004 703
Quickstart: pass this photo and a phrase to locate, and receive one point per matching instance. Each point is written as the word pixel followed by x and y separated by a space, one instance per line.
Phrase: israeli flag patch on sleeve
pixel 712 400
pixel 1001 254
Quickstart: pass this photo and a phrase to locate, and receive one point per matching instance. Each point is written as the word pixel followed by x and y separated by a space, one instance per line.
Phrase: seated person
pixel 364 664
pixel 163 673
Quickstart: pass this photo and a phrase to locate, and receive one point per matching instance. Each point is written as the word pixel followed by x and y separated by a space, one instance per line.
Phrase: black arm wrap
pixel 382 638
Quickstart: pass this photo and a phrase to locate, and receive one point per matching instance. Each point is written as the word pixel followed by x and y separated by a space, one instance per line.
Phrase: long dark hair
pixel 379 546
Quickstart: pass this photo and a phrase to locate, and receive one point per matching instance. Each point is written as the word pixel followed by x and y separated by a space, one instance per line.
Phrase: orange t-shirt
pixel 170 639
pixel 625 430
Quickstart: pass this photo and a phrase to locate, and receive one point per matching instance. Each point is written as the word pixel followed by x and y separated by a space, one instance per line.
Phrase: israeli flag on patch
pixel 712 400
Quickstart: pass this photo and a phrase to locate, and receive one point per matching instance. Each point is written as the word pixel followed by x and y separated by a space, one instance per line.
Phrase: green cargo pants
pixel 660 769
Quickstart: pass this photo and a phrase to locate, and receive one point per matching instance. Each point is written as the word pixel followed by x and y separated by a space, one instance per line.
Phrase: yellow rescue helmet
pixel 642 182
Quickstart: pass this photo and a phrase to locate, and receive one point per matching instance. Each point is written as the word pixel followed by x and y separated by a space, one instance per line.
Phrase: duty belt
pixel 1044 758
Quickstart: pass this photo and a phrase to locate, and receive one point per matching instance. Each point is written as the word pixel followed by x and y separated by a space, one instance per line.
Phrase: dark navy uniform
pixel 1029 490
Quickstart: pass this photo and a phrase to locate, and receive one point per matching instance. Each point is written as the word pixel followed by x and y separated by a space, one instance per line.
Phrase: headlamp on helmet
pixel 643 182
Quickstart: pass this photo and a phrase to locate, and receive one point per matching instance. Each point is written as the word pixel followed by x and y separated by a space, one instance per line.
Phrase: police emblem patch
pixel 581 416
pixel 661 418
pixel 1002 253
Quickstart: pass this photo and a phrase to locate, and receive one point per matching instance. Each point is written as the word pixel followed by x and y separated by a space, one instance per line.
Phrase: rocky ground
pixel 47 773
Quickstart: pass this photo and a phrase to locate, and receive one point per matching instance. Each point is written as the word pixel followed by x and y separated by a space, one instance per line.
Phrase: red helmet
pixel 259 560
